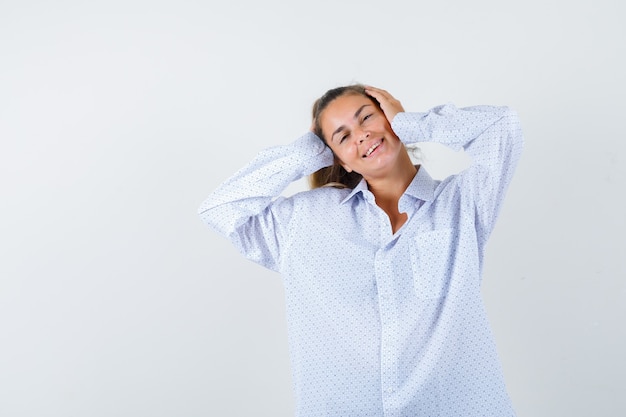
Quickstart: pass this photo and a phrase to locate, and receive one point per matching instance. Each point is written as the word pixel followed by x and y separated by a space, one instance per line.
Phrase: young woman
pixel 381 263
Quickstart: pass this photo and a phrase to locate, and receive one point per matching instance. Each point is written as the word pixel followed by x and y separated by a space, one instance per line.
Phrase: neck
pixel 389 188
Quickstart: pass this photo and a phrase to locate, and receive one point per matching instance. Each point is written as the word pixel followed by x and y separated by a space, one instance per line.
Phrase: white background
pixel 118 118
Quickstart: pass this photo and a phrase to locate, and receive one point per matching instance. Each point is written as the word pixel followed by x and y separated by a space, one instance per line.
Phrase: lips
pixel 373 148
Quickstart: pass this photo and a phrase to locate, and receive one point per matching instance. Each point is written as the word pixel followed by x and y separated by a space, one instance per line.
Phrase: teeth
pixel 370 150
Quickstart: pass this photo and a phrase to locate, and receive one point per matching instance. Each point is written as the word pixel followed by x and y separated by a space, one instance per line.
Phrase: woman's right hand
pixel 388 103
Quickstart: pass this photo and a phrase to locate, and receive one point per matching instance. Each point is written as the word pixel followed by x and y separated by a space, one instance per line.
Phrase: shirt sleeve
pixel 492 136
pixel 247 207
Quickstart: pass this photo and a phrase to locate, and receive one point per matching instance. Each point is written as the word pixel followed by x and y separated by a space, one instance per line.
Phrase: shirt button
pixel 389 390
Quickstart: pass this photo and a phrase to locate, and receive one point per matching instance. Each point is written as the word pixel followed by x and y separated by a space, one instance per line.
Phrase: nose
pixel 362 135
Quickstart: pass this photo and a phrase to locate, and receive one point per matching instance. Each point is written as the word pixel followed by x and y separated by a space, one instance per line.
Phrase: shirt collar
pixel 421 187
pixel 359 188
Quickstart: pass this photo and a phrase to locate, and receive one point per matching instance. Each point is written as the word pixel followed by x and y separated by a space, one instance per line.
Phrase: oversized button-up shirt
pixel 382 323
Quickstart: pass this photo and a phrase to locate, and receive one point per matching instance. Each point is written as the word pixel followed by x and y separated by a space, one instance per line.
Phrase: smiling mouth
pixel 373 148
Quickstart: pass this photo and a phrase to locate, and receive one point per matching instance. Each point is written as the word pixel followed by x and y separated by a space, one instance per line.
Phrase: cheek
pixel 347 150
pixel 346 153
pixel 340 153
pixel 384 126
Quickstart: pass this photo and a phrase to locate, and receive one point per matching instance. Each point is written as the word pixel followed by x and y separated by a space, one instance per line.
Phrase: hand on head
pixel 389 104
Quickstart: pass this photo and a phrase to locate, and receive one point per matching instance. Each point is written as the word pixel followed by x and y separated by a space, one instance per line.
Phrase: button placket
pixel 388 318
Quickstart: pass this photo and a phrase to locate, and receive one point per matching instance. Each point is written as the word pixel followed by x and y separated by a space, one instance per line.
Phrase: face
pixel 360 136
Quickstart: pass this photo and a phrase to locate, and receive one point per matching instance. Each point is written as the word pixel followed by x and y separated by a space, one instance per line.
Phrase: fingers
pixel 378 93
pixel 382 96
pixel 389 104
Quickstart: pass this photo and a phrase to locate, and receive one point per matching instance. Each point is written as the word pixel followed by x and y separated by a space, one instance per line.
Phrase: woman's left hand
pixel 388 103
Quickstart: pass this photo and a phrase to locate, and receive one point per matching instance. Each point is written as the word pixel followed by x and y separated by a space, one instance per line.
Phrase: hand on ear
pixel 389 104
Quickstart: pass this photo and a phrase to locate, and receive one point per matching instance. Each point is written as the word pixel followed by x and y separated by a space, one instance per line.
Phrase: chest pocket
pixel 431 261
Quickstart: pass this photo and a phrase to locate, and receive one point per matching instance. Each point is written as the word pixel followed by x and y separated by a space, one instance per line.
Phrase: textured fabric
pixel 382 324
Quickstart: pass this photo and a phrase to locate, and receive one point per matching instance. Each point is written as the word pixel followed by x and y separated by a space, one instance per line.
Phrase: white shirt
pixel 382 324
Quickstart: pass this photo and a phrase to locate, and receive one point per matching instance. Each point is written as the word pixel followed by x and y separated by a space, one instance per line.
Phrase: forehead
pixel 346 103
pixel 342 110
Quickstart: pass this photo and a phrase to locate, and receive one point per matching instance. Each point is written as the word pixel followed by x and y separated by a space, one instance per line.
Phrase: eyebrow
pixel 356 116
